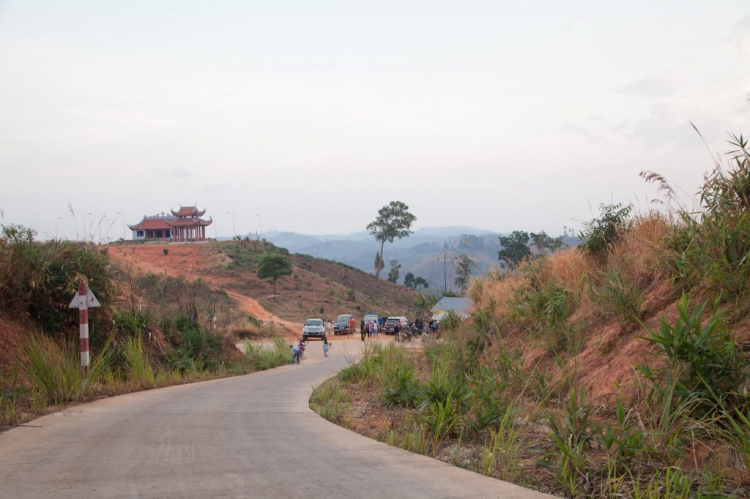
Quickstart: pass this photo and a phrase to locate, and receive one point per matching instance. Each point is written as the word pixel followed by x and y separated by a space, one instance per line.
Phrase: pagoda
pixel 187 224
pixel 184 224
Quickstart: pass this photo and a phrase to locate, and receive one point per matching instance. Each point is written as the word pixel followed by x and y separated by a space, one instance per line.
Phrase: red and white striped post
pixel 83 319
pixel 84 300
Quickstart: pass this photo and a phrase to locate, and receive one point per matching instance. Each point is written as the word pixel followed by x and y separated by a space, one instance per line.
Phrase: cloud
pixel 741 36
pixel 179 172
pixel 580 131
pixel 655 87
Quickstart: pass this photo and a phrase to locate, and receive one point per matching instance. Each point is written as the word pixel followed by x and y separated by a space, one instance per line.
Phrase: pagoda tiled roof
pixel 189 222
pixel 188 211
pixel 153 223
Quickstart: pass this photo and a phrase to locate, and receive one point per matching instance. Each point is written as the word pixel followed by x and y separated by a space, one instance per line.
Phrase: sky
pixel 309 116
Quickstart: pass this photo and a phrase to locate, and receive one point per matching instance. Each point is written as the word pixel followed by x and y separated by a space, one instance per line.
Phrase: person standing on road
pixel 375 329
pixel 362 333
pixel 295 354
pixel 351 327
pixel 396 330
pixel 328 328
pixel 325 346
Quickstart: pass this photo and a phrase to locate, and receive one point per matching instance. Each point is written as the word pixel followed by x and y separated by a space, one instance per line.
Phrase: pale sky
pixel 499 115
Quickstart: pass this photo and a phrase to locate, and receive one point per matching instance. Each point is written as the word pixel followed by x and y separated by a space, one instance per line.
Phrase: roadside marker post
pixel 83 301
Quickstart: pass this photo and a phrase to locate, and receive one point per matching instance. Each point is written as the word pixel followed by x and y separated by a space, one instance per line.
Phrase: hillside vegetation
pixel 617 369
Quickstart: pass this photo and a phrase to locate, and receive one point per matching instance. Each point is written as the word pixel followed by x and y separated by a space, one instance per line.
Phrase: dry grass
pixel 640 249
pixel 494 292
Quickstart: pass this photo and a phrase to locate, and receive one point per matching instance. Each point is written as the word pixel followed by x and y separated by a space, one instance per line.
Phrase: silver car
pixel 313 328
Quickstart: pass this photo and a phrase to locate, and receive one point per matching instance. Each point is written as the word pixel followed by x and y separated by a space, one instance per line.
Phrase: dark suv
pixel 391 322
pixel 341 326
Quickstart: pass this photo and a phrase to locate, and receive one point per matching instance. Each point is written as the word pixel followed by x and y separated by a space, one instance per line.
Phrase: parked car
pixel 313 328
pixel 391 322
pixel 341 326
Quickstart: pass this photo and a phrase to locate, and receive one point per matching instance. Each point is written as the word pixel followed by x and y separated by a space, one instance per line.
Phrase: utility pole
pixel 445 265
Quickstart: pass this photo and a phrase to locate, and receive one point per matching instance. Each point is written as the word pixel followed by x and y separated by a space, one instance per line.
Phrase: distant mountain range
pixel 428 253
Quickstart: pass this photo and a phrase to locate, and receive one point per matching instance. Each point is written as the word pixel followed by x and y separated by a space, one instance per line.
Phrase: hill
pixel 429 253
pixel 316 287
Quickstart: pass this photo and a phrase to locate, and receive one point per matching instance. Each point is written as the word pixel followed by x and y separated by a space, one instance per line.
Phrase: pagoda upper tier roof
pixel 188 211
pixel 189 222
pixel 153 223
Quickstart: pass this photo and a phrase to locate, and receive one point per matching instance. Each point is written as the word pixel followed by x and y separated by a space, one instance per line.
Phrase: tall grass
pixel 54 368
pixel 262 357
pixel 139 370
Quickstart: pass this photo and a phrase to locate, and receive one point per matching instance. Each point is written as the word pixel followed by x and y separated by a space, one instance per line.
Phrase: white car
pixel 313 328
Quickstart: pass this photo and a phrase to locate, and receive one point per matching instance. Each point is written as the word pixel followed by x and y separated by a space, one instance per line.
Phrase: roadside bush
pixel 131 323
pixel 703 359
pixel 40 279
pixel 599 234
pixel 262 357
pixel 194 347
pixel 712 246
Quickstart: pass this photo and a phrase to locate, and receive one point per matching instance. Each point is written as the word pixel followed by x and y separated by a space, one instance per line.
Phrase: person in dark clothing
pixel 362 333
pixel 396 330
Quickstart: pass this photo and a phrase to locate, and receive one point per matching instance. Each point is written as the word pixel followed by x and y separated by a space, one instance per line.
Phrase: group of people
pixel 299 349
pixel 371 329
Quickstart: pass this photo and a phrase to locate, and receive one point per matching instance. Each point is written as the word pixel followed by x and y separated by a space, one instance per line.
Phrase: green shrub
pixel 599 234
pixel 401 389
pixel 543 305
pixel 703 359
pixel 45 276
pixel 131 322
pixel 614 294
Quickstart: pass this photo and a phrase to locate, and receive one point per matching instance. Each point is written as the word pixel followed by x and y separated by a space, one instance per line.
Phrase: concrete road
pixel 249 436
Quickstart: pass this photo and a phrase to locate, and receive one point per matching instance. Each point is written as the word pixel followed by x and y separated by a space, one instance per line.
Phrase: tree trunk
pixel 382 260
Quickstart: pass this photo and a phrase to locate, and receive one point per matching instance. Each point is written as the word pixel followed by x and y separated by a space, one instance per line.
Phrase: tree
pixel 393 273
pixel 393 222
pixel 464 264
pixel 412 282
pixel 542 242
pixel 423 304
pixel 274 266
pixel 515 248
pixel 379 264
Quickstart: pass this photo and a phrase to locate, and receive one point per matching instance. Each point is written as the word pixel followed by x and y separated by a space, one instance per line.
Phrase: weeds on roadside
pixel 55 370
pixel 139 370
pixel 261 357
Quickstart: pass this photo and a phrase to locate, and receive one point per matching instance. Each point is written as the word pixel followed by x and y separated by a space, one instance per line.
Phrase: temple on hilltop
pixel 184 224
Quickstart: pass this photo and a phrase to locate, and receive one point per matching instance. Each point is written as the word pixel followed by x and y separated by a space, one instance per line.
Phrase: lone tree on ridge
pixel 274 266
pixel 393 222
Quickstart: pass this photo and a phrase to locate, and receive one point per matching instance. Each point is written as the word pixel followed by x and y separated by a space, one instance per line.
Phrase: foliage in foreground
pixel 468 395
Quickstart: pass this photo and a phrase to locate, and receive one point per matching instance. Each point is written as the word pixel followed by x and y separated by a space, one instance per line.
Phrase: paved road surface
pixel 249 436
